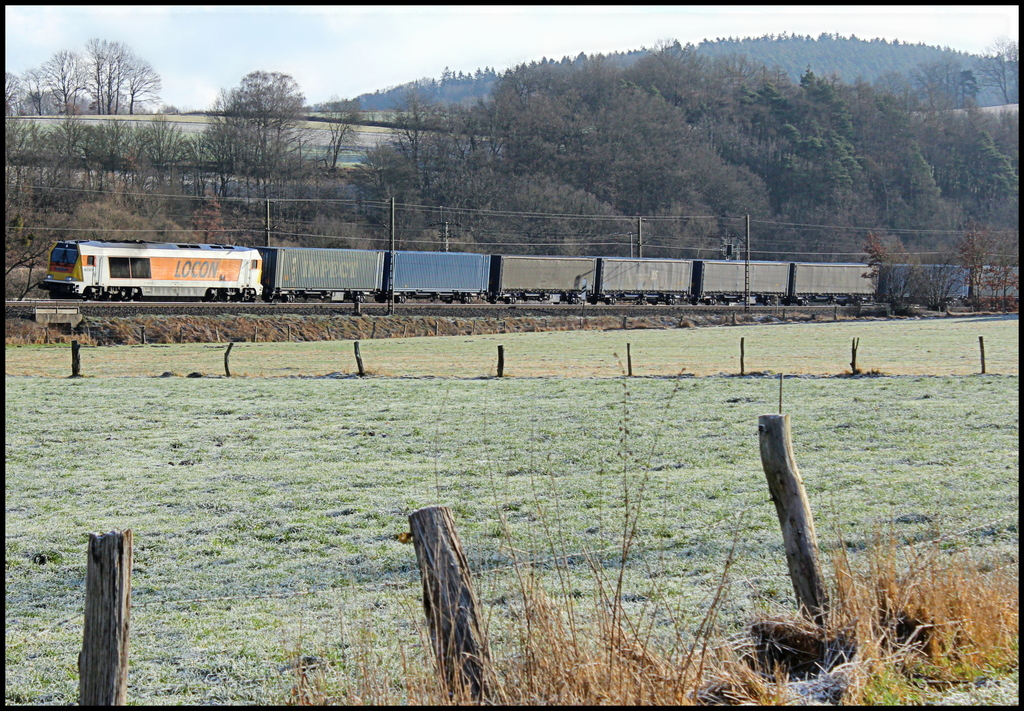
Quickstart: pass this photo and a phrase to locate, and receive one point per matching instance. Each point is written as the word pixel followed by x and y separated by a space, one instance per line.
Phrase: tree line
pixel 106 78
pixel 582 157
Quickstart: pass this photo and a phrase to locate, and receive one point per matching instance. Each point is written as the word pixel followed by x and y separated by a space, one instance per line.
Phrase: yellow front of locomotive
pixel 64 273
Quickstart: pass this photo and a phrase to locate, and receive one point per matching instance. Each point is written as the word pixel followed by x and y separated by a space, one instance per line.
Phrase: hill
pixel 847 58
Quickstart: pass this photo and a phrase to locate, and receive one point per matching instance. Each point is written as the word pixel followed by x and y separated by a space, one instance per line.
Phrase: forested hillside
pixel 937 74
pixel 572 158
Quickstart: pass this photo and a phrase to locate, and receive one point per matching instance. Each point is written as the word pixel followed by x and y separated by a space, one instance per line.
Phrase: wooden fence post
pixel 501 361
pixel 790 499
pixel 742 356
pixel 854 345
pixel 289 333
pixel 103 662
pixel 450 604
pixel 629 362
pixel 359 359
pixel 76 360
pixel 227 354
pixel 143 338
pixel 981 344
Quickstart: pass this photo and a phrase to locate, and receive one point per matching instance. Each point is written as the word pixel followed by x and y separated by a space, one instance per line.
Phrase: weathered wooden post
pixel 359 359
pixel 255 333
pixel 76 360
pixel 790 499
pixel 981 344
pixel 143 336
pixel 289 333
pixel 780 393
pixel 437 327
pixel 629 361
pixel 227 354
pixel 181 333
pixel 854 345
pixel 373 330
pixel 742 356
pixel 103 662
pixel 451 607
pixel 501 361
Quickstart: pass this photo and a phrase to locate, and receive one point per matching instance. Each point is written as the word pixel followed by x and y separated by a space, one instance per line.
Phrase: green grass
pixel 254 487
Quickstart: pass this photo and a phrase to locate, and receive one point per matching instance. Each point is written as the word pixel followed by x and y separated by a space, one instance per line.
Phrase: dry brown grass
pixel 903 623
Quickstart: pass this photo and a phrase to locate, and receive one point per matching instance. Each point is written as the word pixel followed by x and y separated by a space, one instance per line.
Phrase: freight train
pixel 130 271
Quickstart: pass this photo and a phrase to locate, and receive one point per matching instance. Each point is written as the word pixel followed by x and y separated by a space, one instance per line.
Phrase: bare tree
pixel 37 97
pixel 998 68
pixel 12 94
pixel 107 63
pixel 142 83
pixel 341 115
pixel 257 124
pixel 64 78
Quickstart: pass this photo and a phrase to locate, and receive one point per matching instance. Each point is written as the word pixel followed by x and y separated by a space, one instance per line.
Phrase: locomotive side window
pixel 140 268
pixel 90 261
pixel 129 268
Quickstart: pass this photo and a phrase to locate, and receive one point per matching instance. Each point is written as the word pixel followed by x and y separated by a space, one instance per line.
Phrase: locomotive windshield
pixel 64 254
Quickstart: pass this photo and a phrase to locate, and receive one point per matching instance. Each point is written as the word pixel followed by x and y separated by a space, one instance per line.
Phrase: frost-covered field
pixel 943 346
pixel 257 489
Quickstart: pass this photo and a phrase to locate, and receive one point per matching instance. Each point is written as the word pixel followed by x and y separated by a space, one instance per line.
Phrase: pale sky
pixel 347 51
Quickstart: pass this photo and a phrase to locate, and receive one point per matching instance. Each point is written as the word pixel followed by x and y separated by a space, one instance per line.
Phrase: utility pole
pixel 639 238
pixel 391 269
pixel 266 238
pixel 443 231
pixel 746 269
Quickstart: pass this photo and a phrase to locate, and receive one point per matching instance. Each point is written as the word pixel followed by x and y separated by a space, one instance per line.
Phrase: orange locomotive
pixel 134 271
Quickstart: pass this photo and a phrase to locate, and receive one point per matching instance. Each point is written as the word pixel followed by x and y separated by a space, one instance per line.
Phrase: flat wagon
pixel 649 281
pixel 534 278
pixel 444 276
pixel 291 273
pixel 829 282
pixel 724 281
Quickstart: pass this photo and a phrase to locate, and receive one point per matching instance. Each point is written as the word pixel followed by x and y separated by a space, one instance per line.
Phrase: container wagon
pixel 554 279
pixel 136 270
pixel 445 276
pixel 643 281
pixel 716 281
pixel 291 273
pixel 829 282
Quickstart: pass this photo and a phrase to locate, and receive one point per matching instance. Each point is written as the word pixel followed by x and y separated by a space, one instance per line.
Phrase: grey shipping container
pixel 812 279
pixel 637 276
pixel 324 272
pixel 441 273
pixel 729 278
pixel 544 274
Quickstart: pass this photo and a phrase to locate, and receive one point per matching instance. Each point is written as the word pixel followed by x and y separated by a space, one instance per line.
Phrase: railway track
pixel 26 309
